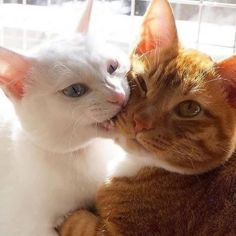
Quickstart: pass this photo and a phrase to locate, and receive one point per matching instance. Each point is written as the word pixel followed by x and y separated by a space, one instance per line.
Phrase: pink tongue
pixel 108 125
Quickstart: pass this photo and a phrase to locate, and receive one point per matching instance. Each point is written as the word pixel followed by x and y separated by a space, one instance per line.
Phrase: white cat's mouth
pixel 107 125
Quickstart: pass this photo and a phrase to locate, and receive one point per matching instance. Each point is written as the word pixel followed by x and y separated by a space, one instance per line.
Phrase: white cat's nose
pixel 117 98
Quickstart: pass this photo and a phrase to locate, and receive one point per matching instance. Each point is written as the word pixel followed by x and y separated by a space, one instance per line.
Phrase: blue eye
pixel 75 90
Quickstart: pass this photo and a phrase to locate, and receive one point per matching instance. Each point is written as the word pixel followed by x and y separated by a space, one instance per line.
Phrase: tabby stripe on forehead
pixel 152 72
pixel 156 72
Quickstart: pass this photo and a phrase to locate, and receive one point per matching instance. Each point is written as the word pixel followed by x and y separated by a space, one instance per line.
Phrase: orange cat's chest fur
pixel 171 204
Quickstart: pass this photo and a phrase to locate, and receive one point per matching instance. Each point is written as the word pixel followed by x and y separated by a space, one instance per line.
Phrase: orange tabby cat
pixel 181 117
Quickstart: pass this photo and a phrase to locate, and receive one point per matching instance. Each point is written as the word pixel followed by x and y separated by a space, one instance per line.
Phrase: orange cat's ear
pixel 13 70
pixel 83 25
pixel 158 29
pixel 227 70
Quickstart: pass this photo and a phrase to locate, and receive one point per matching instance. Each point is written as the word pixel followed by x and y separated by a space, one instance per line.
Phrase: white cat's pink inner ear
pixel 13 70
pixel 83 25
pixel 158 29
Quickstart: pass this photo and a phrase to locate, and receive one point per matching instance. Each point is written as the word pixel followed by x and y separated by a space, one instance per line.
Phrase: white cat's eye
pixel 188 109
pixel 112 66
pixel 75 90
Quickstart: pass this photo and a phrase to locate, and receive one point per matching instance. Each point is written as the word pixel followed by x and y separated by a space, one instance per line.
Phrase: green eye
pixel 75 90
pixel 188 109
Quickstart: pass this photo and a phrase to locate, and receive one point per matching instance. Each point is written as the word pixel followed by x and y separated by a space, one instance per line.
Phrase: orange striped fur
pixel 160 203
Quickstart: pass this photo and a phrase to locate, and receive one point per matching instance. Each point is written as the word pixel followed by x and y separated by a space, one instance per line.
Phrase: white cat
pixel 50 160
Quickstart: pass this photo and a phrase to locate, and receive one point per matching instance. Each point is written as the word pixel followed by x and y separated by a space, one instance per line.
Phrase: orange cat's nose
pixel 117 98
pixel 141 124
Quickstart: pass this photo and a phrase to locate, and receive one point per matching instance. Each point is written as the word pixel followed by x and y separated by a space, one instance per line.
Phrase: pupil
pixel 74 90
pixel 112 68
pixel 189 106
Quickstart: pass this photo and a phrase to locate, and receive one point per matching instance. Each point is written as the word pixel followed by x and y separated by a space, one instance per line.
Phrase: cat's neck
pixel 134 165
pixel 189 181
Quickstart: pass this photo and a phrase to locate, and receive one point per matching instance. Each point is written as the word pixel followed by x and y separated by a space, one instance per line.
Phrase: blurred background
pixel 209 25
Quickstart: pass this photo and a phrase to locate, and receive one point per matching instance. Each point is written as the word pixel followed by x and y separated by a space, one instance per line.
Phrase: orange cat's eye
pixel 188 109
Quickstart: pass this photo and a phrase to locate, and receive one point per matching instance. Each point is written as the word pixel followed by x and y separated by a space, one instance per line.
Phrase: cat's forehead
pixel 67 61
pixel 193 62
pixel 194 69
pixel 189 70
pixel 79 48
pixel 74 47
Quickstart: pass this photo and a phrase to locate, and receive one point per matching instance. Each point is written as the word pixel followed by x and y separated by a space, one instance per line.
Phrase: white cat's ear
pixel 227 70
pixel 83 25
pixel 13 70
pixel 158 29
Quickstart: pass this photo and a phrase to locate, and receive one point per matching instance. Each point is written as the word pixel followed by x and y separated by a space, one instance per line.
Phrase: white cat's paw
pixel 54 233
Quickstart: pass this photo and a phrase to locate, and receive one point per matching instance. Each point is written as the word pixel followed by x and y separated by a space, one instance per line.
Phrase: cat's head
pixel 182 109
pixel 64 91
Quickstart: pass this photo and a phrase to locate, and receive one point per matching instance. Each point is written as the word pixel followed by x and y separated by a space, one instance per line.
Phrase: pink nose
pixel 117 98
pixel 142 123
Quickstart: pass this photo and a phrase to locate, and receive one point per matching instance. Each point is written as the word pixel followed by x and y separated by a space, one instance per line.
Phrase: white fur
pixel 51 162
